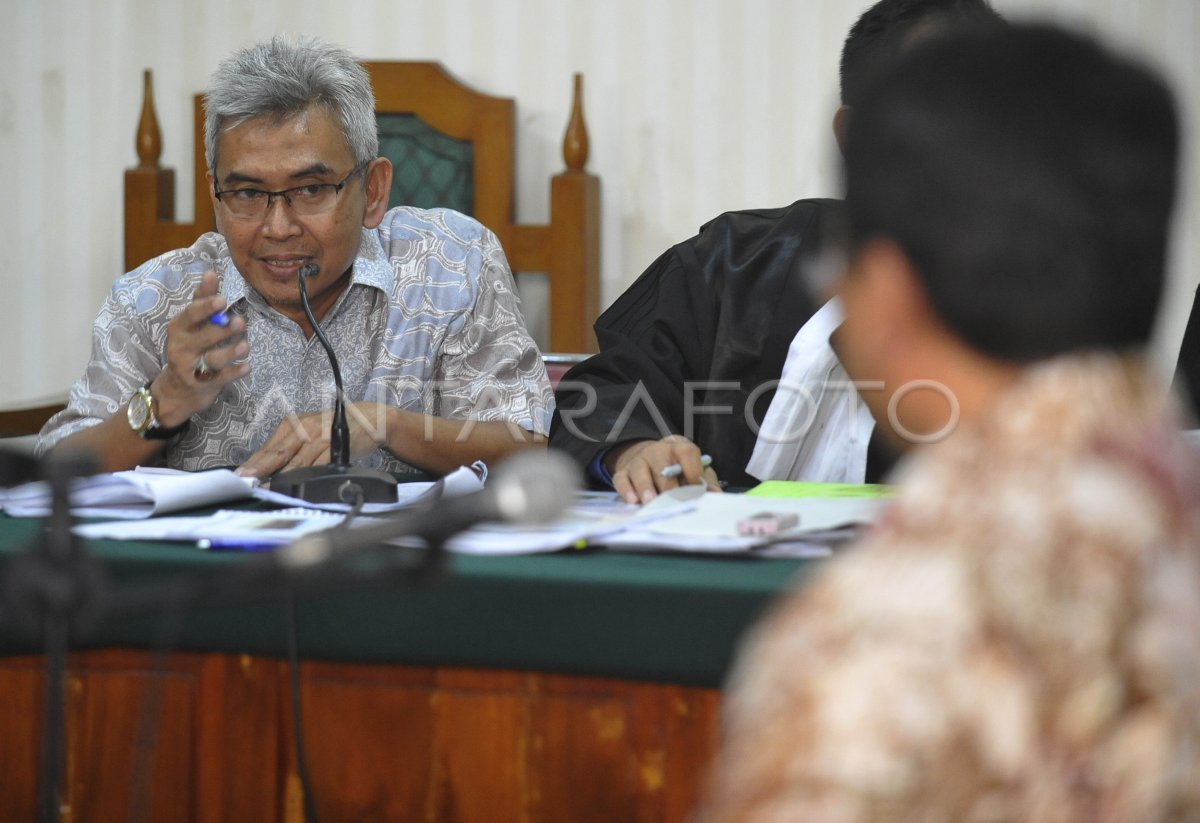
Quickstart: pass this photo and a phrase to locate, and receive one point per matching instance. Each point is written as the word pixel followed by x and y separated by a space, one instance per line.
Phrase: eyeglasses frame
pixel 272 195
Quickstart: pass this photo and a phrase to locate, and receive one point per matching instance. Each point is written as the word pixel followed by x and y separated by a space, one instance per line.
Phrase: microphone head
pixel 534 486
pixel 309 270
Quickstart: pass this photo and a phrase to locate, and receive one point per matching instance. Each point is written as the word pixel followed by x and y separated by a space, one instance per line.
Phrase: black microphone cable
pixel 338 482
pixel 339 443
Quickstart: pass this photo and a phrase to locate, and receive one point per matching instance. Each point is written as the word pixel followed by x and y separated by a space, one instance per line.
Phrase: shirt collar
pixel 372 267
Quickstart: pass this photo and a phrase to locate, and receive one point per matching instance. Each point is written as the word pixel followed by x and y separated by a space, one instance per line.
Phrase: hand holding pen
pixel 676 470
pixel 203 355
pixel 643 469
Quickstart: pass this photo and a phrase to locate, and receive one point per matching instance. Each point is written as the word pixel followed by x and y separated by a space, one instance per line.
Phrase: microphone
pixel 339 439
pixel 337 482
pixel 530 487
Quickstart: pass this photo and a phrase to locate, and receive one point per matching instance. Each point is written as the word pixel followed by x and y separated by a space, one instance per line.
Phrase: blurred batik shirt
pixel 1017 640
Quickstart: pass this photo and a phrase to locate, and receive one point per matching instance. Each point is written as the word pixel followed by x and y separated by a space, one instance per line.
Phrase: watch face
pixel 138 411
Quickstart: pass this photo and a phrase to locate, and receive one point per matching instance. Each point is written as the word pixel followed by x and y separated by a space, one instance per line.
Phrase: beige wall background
pixel 694 106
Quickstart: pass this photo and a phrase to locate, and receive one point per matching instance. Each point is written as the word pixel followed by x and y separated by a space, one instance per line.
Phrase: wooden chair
pixel 27 420
pixel 19 427
pixel 422 110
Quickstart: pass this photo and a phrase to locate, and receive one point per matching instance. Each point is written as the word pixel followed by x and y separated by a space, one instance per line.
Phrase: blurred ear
pixel 377 185
pixel 890 291
pixel 841 122
pixel 888 334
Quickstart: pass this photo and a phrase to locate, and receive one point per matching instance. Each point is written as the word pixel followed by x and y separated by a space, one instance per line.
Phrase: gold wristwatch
pixel 141 413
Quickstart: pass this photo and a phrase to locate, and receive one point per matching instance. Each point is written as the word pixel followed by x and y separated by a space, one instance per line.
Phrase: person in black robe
pixel 1187 368
pixel 691 352
pixel 719 310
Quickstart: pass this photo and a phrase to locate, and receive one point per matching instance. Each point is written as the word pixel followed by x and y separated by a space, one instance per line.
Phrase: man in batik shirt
pixel 438 367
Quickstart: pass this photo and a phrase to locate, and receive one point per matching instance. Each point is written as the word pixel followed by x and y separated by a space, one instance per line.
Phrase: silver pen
pixel 675 470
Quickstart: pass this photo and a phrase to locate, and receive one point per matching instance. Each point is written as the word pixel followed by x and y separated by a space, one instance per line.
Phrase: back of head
pixel 283 78
pixel 1028 174
pixel 889 26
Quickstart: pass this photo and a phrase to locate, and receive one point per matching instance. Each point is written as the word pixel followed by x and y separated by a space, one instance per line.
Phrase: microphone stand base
pixel 336 484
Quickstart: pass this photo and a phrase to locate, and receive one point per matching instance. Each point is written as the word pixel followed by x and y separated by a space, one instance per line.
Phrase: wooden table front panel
pixel 383 743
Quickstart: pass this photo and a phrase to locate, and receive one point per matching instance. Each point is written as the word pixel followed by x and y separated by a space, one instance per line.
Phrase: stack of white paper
pixel 134 494
pixel 687 519
pixel 145 492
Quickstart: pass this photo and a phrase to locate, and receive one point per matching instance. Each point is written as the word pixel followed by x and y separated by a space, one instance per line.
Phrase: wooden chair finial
pixel 575 142
pixel 149 138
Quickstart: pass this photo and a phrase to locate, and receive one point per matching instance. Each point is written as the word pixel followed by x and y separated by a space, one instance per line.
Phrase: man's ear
pixel 212 196
pixel 377 185
pixel 841 122
pixel 890 284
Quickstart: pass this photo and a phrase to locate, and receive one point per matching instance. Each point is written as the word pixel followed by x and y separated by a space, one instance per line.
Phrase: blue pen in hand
pixel 219 318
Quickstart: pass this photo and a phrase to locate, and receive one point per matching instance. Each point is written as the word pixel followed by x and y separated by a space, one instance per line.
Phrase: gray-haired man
pixel 419 305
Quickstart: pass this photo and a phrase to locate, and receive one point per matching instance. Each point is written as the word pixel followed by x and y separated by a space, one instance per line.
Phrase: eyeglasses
pixel 305 201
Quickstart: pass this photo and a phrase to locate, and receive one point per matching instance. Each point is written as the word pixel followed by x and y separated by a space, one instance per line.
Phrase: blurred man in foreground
pixel 1019 638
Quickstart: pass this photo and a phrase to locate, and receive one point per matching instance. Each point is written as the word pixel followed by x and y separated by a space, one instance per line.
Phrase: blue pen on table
pixel 218 544
pixel 675 470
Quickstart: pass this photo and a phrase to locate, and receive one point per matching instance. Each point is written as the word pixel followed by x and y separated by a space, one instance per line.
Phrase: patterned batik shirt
pixel 430 322
pixel 1018 640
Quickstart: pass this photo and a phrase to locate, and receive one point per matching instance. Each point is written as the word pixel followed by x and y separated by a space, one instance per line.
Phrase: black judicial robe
pixel 721 308
pixel 1187 369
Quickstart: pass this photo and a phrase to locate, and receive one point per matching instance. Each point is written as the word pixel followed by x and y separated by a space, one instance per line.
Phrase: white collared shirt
pixel 817 428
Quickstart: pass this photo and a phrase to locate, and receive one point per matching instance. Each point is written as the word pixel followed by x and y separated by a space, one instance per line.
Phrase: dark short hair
pixel 889 25
pixel 1028 174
